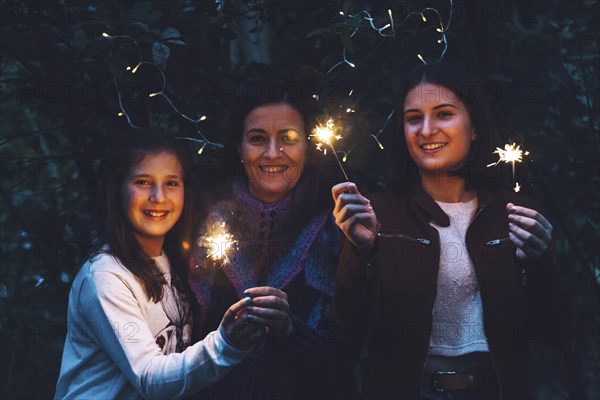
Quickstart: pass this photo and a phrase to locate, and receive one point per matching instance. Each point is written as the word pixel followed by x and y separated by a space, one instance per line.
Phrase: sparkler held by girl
pixel 510 154
pixel 218 242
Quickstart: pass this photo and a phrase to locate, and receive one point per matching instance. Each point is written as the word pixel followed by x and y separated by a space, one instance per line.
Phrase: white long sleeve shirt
pixel 119 342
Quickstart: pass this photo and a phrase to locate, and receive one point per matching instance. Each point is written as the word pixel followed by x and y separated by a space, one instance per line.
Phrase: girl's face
pixel 437 128
pixel 153 196
pixel 273 150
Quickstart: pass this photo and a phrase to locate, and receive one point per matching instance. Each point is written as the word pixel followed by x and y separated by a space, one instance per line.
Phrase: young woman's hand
pixel 270 308
pixel 238 328
pixel 529 231
pixel 354 215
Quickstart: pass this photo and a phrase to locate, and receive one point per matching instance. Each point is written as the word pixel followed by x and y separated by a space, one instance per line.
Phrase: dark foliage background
pixel 59 106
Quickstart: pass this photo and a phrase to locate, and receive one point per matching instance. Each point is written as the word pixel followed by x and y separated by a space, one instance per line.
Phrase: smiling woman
pixel 273 150
pixel 417 264
pixel 279 213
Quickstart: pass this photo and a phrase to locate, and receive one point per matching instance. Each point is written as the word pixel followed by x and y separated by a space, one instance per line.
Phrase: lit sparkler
pixel 510 154
pixel 325 136
pixel 219 242
pixel 517 188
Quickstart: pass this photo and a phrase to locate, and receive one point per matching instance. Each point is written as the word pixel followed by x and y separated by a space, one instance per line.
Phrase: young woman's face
pixel 273 150
pixel 153 194
pixel 437 128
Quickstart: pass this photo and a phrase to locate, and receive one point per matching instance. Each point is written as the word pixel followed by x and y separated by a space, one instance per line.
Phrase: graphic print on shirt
pixel 176 336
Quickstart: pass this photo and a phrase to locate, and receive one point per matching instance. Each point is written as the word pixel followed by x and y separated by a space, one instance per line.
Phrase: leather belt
pixel 444 381
pixel 470 372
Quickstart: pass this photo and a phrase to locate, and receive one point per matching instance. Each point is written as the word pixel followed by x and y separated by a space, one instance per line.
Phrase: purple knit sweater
pixel 273 247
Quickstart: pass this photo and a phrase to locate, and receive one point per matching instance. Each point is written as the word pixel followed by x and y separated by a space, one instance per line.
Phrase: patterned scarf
pixel 273 248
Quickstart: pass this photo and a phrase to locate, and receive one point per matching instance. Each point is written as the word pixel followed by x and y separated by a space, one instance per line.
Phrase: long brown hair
pixel 126 153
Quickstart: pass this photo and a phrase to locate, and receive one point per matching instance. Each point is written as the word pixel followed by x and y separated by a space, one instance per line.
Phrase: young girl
pixel 455 280
pixel 129 318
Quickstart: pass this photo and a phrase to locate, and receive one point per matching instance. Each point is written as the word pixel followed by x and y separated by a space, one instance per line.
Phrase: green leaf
pixel 171 33
pixel 160 54
pixel 177 42
pixel 143 27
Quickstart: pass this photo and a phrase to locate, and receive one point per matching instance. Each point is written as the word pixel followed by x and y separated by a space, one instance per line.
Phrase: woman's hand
pixel 529 231
pixel 354 215
pixel 270 308
pixel 238 328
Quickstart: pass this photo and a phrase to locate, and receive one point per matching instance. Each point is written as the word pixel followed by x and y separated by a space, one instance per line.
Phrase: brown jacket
pixel 391 295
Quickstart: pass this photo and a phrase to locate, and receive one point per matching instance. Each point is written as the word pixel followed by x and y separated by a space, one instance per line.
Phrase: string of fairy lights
pixel 218 241
pixel 386 30
pixel 203 140
pixel 389 30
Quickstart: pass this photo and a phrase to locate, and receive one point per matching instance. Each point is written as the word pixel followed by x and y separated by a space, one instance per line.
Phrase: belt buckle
pixel 435 379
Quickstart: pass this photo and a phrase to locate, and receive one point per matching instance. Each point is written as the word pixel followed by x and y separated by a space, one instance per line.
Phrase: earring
pixel 242 161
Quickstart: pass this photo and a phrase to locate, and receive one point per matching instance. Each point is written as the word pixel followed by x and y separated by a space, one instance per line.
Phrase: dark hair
pixel 257 94
pixel 469 90
pixel 126 153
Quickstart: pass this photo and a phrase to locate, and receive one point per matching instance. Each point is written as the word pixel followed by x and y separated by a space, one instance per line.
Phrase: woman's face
pixel 273 150
pixel 153 194
pixel 437 128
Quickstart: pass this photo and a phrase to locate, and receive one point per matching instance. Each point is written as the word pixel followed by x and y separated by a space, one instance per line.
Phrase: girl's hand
pixel 529 231
pixel 270 308
pixel 354 215
pixel 238 327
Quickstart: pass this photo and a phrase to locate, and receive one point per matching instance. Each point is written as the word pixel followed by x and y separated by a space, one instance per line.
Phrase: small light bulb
pixel 104 34
pixel 423 18
pixel 202 118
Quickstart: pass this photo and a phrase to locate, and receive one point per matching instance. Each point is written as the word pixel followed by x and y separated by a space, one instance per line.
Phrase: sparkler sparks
pixel 219 242
pixel 510 154
pixel 325 136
